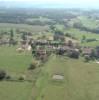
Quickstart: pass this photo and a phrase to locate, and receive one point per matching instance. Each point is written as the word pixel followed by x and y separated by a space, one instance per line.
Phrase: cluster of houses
pixel 42 47
pixel 57 45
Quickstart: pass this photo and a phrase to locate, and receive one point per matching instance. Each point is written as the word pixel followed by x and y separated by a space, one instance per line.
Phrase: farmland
pixel 80 82
pixel 31 28
pixel 15 65
pixel 48 70
pixel 79 34
pixel 80 78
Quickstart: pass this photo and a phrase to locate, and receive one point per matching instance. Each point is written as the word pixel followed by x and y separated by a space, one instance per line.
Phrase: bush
pixel 2 74
pixel 87 58
pixel 21 78
pixel 8 77
pixel 91 40
pixel 33 65
pixel 74 54
pixel 70 43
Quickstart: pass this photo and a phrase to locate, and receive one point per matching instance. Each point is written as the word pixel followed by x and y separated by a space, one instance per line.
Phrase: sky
pixel 55 3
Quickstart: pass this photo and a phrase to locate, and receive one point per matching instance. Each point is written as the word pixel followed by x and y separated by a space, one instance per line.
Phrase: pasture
pixel 25 27
pixel 79 34
pixel 57 78
pixel 12 61
pixel 15 65
pixel 80 80
pixel 15 90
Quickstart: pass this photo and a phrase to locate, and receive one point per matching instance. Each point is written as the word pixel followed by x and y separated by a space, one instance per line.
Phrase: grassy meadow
pixel 15 90
pixel 80 80
pixel 25 27
pixel 79 34
pixel 13 61
pixel 15 65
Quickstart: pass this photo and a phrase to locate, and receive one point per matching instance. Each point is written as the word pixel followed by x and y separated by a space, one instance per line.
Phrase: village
pixel 57 44
pixel 60 46
pixel 49 54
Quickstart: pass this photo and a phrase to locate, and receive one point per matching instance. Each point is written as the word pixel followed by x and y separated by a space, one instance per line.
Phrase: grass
pixel 80 78
pixel 15 64
pixel 31 28
pixel 80 83
pixel 12 61
pixel 15 90
pixel 42 19
pixel 88 22
pixel 79 34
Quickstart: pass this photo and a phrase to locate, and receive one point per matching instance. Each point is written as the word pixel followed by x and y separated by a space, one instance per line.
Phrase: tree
pixel 17 31
pixel 93 54
pixel 24 36
pixel 33 65
pixel 78 25
pixel 87 58
pixel 2 74
pixel 83 38
pixel 52 27
pixel 74 54
pixel 70 43
pixel 1 34
pixel 11 40
pixel 59 32
pixel 97 52
pixel 59 36
pixel 60 51
pixel 11 33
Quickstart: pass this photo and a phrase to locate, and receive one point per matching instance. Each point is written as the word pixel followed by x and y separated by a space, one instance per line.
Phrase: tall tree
pixel 11 38
pixel 52 27
pixel 24 36
pixel 11 34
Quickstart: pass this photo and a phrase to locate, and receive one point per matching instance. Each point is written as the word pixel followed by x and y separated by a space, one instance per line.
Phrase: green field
pixel 31 28
pixel 13 61
pixel 89 22
pixel 15 90
pixel 79 34
pixel 15 65
pixel 80 80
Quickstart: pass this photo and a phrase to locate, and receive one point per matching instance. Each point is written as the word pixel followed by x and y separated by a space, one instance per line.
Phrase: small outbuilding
pixel 58 77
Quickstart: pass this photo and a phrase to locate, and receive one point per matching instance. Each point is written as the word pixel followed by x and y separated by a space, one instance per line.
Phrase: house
pixel 58 77
pixel 87 51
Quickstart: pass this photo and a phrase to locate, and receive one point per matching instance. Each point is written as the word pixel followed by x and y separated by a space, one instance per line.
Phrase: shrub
pixel 74 54
pixel 21 78
pixel 87 58
pixel 2 74
pixel 43 58
pixel 8 77
pixel 33 65
pixel 70 43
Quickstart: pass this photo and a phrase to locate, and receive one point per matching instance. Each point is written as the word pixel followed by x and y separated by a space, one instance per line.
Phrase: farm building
pixel 58 77
pixel 87 51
